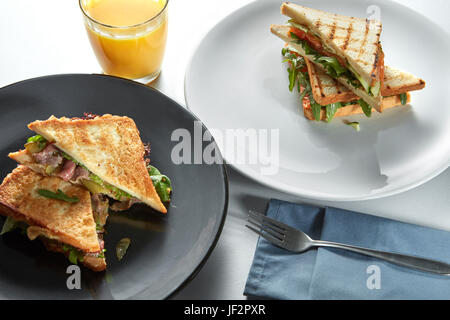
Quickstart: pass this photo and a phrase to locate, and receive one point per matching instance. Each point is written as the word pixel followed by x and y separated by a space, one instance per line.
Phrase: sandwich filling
pixel 298 75
pixel 335 65
pixel 52 161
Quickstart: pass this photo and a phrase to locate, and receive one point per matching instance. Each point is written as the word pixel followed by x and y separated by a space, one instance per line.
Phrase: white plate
pixel 236 80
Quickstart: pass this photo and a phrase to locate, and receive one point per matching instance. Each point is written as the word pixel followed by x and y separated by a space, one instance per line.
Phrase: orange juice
pixel 128 36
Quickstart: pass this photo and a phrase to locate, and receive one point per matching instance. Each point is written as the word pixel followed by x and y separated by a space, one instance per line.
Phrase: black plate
pixel 166 250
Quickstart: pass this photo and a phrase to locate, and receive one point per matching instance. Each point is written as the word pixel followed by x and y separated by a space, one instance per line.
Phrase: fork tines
pixel 269 229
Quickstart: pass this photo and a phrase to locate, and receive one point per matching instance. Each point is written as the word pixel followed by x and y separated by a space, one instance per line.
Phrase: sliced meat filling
pixel 53 161
pixel 123 205
pixel 49 156
pixel 68 170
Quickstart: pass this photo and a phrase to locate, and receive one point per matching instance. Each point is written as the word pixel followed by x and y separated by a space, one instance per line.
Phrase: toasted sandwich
pixel 105 154
pixel 348 49
pixel 324 98
pixel 64 216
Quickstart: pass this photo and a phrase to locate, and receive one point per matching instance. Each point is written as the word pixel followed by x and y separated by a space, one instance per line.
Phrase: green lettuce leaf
pixel 403 98
pixel 365 107
pixel 162 183
pixel 332 65
pixel 331 110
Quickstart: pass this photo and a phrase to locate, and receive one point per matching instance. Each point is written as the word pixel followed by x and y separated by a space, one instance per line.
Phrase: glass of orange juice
pixel 128 36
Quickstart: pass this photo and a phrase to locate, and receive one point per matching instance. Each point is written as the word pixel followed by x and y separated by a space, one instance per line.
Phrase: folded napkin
pixel 325 273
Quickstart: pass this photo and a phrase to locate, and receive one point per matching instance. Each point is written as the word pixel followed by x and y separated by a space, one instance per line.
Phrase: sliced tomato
pixel 299 33
pixel 314 42
pixel 310 38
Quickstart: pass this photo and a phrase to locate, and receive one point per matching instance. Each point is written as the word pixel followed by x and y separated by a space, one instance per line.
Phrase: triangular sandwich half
pixel 104 153
pixel 347 48
pixel 59 213
pixel 334 97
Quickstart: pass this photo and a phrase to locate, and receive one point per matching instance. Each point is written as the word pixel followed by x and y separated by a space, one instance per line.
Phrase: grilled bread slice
pixel 56 222
pixel 397 81
pixel 71 223
pixel 108 146
pixel 327 90
pixel 356 40
pixel 283 32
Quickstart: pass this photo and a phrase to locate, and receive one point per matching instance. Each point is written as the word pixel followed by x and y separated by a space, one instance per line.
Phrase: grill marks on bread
pixel 347 37
pixel 110 147
pixel 355 39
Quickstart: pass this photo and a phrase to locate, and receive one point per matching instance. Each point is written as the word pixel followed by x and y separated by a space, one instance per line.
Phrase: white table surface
pixel 47 37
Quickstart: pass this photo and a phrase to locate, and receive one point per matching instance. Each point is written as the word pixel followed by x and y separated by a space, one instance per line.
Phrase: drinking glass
pixel 134 51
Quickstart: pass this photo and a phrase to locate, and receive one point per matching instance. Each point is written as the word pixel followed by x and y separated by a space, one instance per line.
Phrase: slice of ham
pixel 68 170
pixel 49 156
pixel 101 242
pixel 123 205
pixel 79 174
pixel 100 205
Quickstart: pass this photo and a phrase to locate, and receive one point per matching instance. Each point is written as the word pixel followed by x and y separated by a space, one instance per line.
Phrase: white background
pixel 47 37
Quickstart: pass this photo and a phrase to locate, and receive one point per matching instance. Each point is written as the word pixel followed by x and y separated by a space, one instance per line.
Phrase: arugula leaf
pixel 403 98
pixel 11 225
pixel 122 247
pixel 8 226
pixel 162 183
pixel 316 108
pixel 59 195
pixel 331 110
pixel 296 63
pixel 308 49
pixel 365 107
pixel 332 65
pixel 292 77
pixel 354 125
pixel 303 80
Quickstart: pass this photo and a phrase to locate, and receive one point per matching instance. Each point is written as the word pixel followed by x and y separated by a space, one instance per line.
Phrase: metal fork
pixel 294 240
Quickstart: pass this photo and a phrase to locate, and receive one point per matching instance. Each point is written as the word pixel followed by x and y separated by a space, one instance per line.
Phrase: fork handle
pixel 396 258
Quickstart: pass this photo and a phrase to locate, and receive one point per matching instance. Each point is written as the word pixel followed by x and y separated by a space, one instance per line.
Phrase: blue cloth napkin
pixel 324 273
